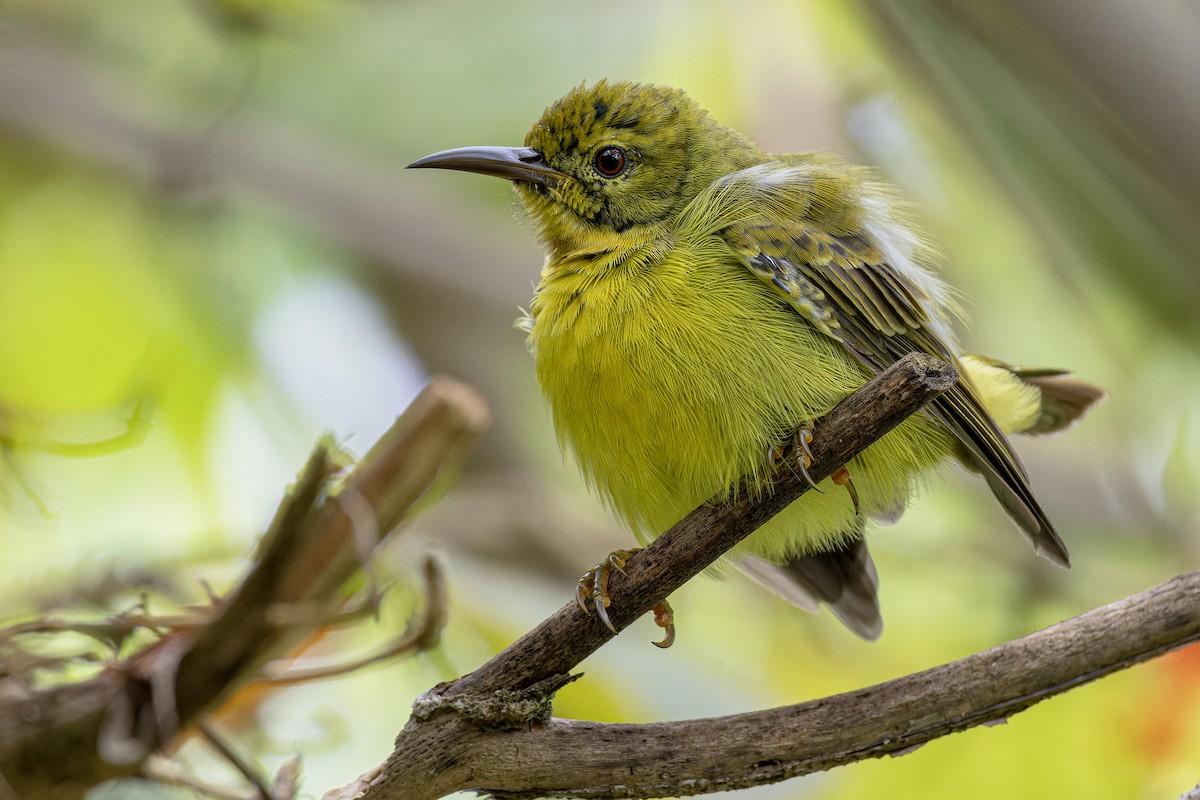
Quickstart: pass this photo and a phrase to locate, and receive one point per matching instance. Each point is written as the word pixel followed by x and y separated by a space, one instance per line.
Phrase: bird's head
pixel 610 157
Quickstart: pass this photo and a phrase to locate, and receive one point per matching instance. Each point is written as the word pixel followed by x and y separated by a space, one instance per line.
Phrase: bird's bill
pixel 514 163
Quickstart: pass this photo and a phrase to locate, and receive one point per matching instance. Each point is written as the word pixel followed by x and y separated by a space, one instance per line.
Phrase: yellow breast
pixel 672 371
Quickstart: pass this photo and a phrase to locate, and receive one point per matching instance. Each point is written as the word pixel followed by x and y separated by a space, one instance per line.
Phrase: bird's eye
pixel 610 161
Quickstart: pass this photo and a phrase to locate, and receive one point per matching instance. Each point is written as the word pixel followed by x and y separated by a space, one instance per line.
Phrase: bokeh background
pixel 210 254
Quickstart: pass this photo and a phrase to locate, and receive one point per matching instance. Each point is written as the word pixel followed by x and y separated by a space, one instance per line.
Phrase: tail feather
pixel 1019 400
pixel 1065 401
pixel 1055 399
pixel 843 579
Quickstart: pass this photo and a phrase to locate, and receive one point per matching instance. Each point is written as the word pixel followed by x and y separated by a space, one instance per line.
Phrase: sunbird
pixel 702 300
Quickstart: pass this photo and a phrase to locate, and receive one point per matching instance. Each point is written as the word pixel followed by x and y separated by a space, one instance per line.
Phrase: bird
pixel 702 300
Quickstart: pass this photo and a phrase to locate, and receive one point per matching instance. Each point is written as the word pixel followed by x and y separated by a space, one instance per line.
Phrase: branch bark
pixel 513 690
pixel 558 644
pixel 57 743
pixel 492 731
pixel 569 758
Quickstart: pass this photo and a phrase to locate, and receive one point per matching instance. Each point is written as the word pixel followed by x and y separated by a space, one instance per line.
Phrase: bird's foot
pixel 664 617
pixel 801 455
pixel 842 478
pixel 593 585
pixel 799 452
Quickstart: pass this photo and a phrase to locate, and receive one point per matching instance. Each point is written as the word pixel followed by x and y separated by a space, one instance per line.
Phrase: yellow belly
pixel 671 382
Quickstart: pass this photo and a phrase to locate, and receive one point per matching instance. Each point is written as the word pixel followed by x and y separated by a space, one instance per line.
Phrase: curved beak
pixel 514 163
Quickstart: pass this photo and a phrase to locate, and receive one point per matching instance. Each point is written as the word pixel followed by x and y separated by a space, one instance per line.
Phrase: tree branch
pixel 700 538
pixel 569 758
pixel 492 731
pixel 56 743
pixel 514 688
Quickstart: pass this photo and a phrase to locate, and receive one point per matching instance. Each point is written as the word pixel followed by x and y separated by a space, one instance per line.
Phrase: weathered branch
pixel 57 743
pixel 700 538
pixel 568 758
pixel 531 669
pixel 492 730
pixel 422 633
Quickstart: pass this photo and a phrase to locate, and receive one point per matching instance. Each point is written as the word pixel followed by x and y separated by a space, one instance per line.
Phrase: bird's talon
pixel 583 590
pixel 803 462
pixel 778 456
pixel 619 558
pixel 842 478
pixel 602 613
pixel 775 457
pixel 803 454
pixel 804 438
pixel 594 585
pixel 664 618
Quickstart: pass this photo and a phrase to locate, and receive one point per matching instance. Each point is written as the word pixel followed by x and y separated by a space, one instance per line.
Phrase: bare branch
pixel 569 758
pixel 700 538
pixel 112 631
pixel 422 633
pixel 492 731
pixel 244 767
pixel 58 742
pixel 514 687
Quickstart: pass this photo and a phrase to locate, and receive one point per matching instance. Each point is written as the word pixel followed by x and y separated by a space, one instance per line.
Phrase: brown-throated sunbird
pixel 702 299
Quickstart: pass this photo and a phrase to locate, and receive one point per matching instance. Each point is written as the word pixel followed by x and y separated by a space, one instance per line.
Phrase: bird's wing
pixel 843 284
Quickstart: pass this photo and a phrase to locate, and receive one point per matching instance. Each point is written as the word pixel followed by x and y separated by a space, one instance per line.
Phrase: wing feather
pixel 843 284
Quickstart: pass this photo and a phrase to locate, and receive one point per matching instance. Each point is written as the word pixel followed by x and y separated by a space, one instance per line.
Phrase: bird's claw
pixel 842 478
pixel 593 586
pixel 800 452
pixel 664 618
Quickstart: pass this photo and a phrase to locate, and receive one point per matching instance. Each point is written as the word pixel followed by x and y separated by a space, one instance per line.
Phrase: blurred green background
pixel 210 254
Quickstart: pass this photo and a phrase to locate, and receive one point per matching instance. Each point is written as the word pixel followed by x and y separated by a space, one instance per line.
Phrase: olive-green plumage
pixel 701 298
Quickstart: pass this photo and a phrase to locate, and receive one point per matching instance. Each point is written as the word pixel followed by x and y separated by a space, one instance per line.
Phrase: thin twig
pixel 245 768
pixel 111 630
pixel 171 773
pixel 517 683
pixel 421 634
pixel 56 743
